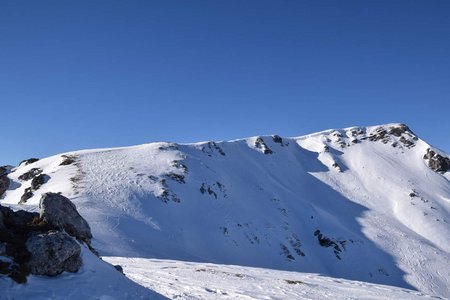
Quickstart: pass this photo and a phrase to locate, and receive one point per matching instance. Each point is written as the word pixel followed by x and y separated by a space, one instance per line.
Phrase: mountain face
pixel 369 204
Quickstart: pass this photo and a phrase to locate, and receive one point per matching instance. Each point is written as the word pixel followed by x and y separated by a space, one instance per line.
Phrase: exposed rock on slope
pixel 437 162
pixel 4 180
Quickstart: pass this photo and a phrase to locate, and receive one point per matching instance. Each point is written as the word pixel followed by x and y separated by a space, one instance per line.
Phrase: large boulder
pixel 60 212
pixel 53 253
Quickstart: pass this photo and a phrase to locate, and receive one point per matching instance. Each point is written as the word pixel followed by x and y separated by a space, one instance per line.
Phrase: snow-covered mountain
pixel 368 204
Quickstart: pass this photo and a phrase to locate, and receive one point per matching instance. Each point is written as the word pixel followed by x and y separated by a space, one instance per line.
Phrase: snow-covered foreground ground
pixel 188 280
pixel 96 280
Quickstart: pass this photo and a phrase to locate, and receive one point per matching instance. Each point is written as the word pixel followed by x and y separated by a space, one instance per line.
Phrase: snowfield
pixel 187 280
pixel 357 203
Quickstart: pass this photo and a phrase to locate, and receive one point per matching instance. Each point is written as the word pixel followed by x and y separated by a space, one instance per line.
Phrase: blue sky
pixel 88 74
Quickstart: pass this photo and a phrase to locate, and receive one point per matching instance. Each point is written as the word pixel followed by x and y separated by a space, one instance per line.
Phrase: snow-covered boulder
pixel 60 212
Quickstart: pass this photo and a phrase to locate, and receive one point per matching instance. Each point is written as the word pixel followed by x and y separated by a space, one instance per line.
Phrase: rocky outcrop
pixel 27 194
pixel 4 184
pixel 437 162
pixel 28 161
pixel 37 181
pixel 4 180
pixel 53 253
pixel 45 243
pixel 67 160
pixel 261 144
pixel 30 174
pixel 60 212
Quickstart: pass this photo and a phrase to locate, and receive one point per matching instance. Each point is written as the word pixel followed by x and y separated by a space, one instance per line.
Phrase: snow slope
pixel 187 280
pixel 355 203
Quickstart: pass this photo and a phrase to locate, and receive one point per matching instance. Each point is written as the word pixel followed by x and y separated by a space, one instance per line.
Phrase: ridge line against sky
pixel 94 74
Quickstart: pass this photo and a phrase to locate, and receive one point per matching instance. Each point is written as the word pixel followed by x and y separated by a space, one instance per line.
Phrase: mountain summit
pixel 362 203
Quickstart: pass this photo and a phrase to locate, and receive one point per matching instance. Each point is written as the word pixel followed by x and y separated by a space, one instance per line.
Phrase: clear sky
pixel 88 74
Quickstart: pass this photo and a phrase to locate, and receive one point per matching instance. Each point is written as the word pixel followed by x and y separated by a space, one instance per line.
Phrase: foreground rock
pixel 45 243
pixel 61 213
pixel 53 253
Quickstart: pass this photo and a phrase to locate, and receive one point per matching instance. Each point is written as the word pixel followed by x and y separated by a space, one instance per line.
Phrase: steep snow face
pixel 356 203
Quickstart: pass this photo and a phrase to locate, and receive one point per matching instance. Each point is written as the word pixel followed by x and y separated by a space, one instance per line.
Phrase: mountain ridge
pixel 358 203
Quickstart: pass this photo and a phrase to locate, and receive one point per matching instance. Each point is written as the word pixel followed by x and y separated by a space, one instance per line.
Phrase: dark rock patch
pixel 356 131
pixel 296 245
pixel 177 177
pixel 4 184
pixel 285 251
pixel 180 166
pixel 407 142
pixel 67 159
pixel 28 193
pixel 30 174
pixel 28 161
pixel 277 139
pixel 380 134
pixel 214 189
pixel 212 147
pixel 399 130
pixel 119 268
pixel 293 281
pixel 260 144
pixel 338 246
pixel 4 170
pixel 38 181
pixel 167 195
pixel 437 162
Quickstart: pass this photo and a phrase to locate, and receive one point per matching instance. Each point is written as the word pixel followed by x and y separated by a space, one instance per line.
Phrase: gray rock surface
pixel 4 184
pixel 437 162
pixel 53 253
pixel 60 212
